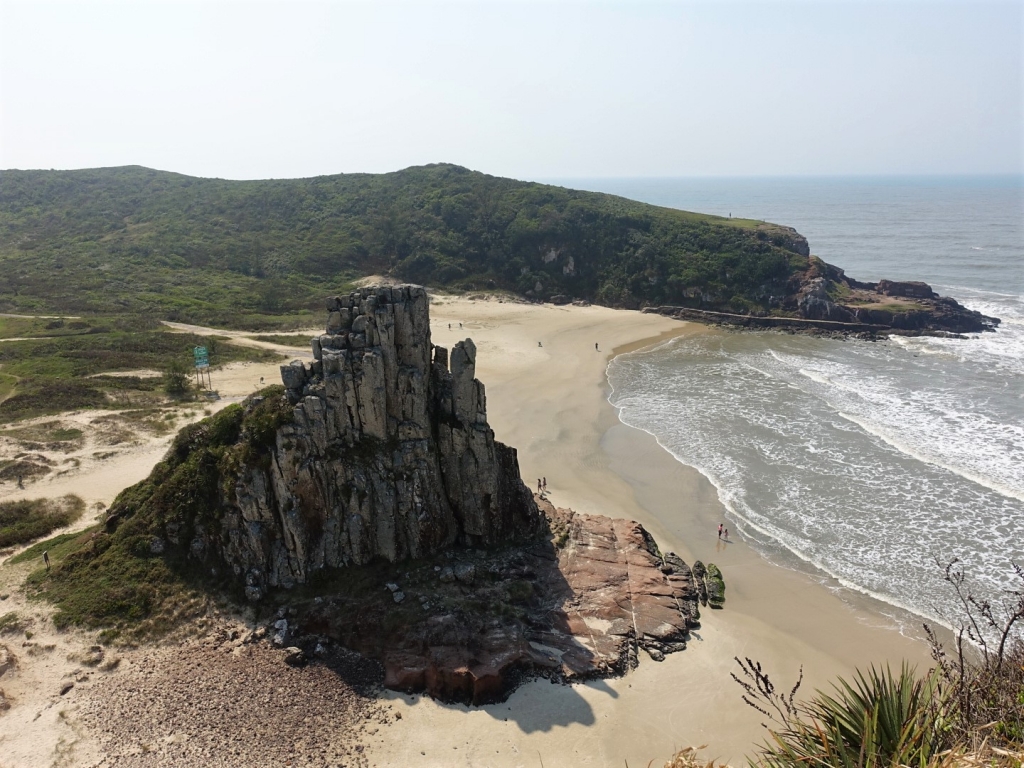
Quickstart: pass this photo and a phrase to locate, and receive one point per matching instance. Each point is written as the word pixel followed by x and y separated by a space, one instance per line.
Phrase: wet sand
pixel 550 402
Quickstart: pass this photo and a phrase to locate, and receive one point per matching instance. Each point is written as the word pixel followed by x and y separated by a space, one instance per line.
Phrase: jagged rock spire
pixel 389 454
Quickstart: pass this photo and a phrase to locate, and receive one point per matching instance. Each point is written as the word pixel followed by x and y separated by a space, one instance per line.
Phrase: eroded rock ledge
pixel 823 299
pixel 471 624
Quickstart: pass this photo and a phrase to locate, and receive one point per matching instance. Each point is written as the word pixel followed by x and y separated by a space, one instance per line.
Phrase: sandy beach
pixel 547 396
pixel 550 402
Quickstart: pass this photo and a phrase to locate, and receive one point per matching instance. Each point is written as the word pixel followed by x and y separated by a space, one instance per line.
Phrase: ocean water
pixel 863 461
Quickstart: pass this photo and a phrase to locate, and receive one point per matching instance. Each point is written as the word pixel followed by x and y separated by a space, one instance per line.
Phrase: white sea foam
pixel 815 376
pixel 932 424
pixel 911 450
pixel 865 460
pixel 795 468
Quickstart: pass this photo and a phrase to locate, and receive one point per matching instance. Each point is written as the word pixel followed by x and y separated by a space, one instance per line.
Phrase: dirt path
pixel 244 338
pixel 41 317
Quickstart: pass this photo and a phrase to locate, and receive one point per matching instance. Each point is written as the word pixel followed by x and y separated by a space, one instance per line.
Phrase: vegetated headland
pixel 243 254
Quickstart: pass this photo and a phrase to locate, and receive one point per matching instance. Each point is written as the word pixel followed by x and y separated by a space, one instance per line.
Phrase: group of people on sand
pixel 542 485
pixel 723 532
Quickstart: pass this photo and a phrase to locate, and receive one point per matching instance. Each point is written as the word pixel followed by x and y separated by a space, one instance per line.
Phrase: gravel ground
pixel 225 703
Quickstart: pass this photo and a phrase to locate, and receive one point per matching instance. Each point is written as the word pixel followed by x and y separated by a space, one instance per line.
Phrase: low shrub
pixel 878 719
pixel 984 671
pixel 11 623
pixel 128 576
pixel 967 710
pixel 25 520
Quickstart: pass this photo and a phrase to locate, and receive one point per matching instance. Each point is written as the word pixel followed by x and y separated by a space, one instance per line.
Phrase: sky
pixel 524 89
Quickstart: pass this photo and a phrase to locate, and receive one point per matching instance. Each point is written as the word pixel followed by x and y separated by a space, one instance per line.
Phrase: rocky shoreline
pixel 824 301
pixel 471 625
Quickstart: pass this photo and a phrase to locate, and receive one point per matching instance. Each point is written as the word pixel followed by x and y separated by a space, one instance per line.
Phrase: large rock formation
pixel 387 454
pixel 470 625
pixel 823 299
pixel 825 293
pixel 373 478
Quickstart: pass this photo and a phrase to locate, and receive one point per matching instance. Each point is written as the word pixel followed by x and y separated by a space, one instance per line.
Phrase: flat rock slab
pixel 576 604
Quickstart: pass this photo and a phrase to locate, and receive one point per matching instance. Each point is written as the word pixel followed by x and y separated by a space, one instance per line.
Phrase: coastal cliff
pixel 378 450
pixel 439 225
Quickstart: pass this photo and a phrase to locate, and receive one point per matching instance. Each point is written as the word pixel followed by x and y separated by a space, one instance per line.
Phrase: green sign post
pixel 202 363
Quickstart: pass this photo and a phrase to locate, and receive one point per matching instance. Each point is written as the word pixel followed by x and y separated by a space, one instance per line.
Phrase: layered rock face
pixel 473 625
pixel 866 303
pixel 388 454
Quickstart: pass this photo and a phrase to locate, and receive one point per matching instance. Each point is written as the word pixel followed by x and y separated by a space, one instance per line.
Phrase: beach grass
pixel 57 547
pixel 287 339
pixel 7 384
pixel 54 375
pixel 24 520
pixel 114 583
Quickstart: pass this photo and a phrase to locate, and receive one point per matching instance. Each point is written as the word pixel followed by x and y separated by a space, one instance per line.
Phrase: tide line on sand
pixel 550 402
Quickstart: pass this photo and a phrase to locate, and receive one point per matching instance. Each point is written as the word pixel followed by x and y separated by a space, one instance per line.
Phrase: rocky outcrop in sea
pixel 823 300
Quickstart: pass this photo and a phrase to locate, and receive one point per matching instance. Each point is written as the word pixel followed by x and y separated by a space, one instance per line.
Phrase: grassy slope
pixel 113 577
pixel 244 253
pixel 61 365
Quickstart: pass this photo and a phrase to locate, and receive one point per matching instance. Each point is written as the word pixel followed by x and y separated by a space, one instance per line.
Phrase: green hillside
pixel 238 253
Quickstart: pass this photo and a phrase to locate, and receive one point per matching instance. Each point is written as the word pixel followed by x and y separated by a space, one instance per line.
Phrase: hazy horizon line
pixel 551 179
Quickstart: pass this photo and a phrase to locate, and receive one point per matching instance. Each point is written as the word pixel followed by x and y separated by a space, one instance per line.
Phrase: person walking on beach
pixel 21 482
pixel 540 488
pixel 719 530
pixel 545 483
pixel 449 326
pixel 595 347
pixel 726 534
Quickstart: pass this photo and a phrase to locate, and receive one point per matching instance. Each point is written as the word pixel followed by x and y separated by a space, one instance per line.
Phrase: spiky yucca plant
pixel 881 719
